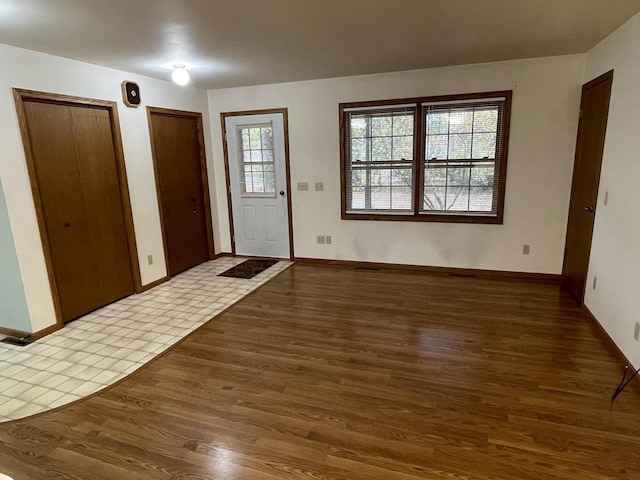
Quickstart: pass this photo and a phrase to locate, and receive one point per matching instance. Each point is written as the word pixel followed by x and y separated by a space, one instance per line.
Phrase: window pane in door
pixel 255 144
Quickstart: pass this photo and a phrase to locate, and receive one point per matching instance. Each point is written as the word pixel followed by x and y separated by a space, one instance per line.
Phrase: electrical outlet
pixel 319 186
pixel 320 239
pixel 636 332
pixel 328 239
pixel 149 259
pixel 303 186
pixel 595 282
pixel 526 249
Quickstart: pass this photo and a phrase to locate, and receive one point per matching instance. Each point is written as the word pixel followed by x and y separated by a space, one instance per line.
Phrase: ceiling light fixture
pixel 180 76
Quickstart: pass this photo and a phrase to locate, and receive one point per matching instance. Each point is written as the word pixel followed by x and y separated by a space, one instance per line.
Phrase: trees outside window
pixel 433 159
pixel 257 165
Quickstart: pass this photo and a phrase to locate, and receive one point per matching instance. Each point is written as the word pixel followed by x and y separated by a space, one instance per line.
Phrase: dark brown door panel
pixel 594 111
pixel 76 170
pixel 181 179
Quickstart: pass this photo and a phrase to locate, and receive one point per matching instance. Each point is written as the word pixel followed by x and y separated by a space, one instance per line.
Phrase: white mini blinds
pixel 381 157
pixel 439 158
pixel 463 142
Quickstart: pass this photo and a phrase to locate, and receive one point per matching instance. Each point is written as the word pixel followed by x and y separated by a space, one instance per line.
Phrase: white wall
pixel 31 70
pixel 546 94
pixel 615 253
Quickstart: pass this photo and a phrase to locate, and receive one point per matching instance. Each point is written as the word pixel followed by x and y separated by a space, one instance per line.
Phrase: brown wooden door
pixel 594 111
pixel 74 159
pixel 181 181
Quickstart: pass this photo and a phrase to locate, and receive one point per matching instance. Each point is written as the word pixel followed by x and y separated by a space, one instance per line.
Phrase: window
pixel 429 159
pixel 382 159
pixel 257 168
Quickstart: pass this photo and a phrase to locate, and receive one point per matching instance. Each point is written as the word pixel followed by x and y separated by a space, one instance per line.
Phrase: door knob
pixel 588 209
pixel 281 192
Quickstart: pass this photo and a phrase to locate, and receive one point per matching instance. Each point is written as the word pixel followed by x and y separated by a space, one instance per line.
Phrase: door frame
pixel 285 120
pixel 608 76
pixel 20 96
pixel 203 175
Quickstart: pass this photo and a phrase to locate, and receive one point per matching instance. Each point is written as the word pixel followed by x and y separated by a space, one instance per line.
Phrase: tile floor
pixel 106 345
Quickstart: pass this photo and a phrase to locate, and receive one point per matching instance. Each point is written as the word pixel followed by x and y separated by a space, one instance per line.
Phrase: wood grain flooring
pixel 330 373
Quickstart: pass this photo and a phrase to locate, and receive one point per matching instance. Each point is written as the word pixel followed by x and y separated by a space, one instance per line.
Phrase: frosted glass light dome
pixel 180 76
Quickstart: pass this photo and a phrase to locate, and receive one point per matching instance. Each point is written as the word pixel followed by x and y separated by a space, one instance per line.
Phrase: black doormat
pixel 248 268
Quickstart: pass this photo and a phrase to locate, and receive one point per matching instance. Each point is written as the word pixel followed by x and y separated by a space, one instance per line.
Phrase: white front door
pixel 258 177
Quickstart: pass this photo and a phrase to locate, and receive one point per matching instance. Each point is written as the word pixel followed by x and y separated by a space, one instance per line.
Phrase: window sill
pixel 424 217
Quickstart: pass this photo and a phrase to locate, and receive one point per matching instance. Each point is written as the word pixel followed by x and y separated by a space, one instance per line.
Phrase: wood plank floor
pixel 331 373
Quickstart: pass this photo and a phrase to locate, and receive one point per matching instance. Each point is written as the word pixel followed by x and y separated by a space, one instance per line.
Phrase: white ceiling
pixel 229 43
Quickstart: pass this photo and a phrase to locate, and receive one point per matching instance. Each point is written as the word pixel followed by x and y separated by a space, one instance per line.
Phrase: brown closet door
pixel 77 178
pixel 592 130
pixel 177 154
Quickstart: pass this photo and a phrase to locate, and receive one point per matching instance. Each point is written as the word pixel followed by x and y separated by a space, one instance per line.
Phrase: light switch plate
pixel 319 186
pixel 303 186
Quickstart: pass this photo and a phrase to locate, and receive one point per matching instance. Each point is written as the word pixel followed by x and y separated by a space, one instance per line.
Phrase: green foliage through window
pixel 257 165
pixel 451 150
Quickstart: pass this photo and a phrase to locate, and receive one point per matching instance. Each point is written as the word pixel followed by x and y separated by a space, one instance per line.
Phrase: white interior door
pixel 257 170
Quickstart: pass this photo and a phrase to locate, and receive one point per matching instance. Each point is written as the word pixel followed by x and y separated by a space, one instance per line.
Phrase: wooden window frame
pixel 419 215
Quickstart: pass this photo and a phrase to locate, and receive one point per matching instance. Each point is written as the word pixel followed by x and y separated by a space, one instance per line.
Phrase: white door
pixel 258 176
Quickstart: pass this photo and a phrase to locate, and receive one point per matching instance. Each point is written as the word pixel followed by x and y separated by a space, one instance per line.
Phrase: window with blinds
pixel 439 158
pixel 463 142
pixel 381 159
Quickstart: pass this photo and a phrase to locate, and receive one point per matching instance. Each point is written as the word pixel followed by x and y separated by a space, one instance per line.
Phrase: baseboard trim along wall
pixel 8 332
pixel 466 272
pixel 166 278
pixel 592 318
pixel 31 336
pixel 160 281
pixel 45 331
